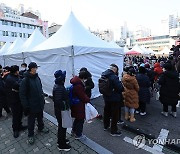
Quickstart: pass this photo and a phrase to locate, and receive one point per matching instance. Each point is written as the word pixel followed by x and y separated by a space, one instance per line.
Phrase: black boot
pixel 16 134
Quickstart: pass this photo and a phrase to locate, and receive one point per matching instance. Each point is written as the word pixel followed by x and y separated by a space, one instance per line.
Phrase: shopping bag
pixel 66 119
pixel 90 111
pixel 157 95
pixel 178 105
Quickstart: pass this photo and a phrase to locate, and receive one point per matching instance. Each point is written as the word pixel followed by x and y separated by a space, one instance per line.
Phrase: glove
pixel 26 111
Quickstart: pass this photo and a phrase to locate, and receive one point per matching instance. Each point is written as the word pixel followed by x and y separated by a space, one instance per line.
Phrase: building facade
pixel 106 35
pixel 14 23
pixel 156 43
pixel 53 29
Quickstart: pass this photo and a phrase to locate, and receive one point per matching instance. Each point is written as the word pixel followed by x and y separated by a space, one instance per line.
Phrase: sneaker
pixel 164 114
pixel 120 122
pixel 105 129
pixel 174 114
pixel 143 113
pixel 116 134
pixel 44 130
pixel 30 140
pixel 137 112
pixel 82 137
pixel 67 142
pixel 65 147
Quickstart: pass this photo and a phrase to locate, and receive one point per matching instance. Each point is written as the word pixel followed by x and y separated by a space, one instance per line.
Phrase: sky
pixel 103 14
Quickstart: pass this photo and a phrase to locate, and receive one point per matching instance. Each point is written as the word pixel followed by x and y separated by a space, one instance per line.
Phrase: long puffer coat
pixel 170 88
pixel 144 85
pixel 131 91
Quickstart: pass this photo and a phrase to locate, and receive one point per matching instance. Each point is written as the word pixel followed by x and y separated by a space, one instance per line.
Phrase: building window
pixel 19 24
pixel 27 26
pixel 15 34
pixel 11 23
pixel 20 34
pixel 12 34
pixel 4 33
pixel 23 25
pixel 24 35
pixel 29 35
pixel 14 24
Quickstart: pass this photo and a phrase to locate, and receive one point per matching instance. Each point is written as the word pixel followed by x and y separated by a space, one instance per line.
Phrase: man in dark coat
pixel 32 99
pixel 89 84
pixel 12 83
pixel 61 102
pixel 78 110
pixel 169 90
pixel 3 102
pixel 144 93
pixel 112 102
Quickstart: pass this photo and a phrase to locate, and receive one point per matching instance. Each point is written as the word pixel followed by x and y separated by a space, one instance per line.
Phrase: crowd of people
pixel 21 93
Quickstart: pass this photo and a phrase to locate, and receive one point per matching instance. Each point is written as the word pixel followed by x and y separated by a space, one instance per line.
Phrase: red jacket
pixel 158 70
pixel 78 110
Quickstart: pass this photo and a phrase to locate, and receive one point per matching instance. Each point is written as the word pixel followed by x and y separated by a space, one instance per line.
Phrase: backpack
pixel 104 86
pixel 72 100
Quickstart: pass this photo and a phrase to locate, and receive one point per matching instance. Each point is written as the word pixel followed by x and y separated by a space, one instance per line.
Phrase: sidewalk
pixel 44 143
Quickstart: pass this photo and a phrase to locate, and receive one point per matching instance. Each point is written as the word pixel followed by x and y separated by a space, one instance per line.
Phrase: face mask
pixel 23 69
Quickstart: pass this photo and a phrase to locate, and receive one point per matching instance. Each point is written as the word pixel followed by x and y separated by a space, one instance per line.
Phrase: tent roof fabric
pixel 35 39
pixel 72 33
pixel 15 47
pixel 5 48
pixel 137 49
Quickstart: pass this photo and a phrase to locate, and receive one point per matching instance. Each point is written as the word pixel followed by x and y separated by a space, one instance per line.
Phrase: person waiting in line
pixel 169 89
pixel 3 102
pixel 78 110
pixel 89 84
pixel 23 70
pixel 144 92
pixel 12 84
pixel 61 102
pixel 32 99
pixel 113 100
pixel 130 94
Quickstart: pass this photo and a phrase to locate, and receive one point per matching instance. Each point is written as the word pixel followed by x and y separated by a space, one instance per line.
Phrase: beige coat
pixel 130 93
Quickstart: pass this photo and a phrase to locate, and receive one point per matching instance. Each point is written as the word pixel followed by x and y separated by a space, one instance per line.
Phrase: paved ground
pixel 152 123
pixel 44 143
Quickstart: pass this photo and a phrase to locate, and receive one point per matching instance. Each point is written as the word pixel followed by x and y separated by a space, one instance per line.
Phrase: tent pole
pixel 72 54
pixel 4 60
pixel 23 57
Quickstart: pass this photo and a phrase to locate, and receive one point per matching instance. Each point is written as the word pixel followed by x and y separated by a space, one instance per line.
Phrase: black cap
pixel 32 65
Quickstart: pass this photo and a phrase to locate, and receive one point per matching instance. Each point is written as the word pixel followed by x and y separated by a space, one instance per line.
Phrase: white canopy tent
pixel 151 51
pixel 35 39
pixel 125 50
pixel 15 47
pixel 165 51
pixel 146 51
pixel 137 49
pixel 17 57
pixel 71 48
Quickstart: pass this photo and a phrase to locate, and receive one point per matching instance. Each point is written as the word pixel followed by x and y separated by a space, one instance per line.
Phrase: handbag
pixel 66 117
pixel 157 95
